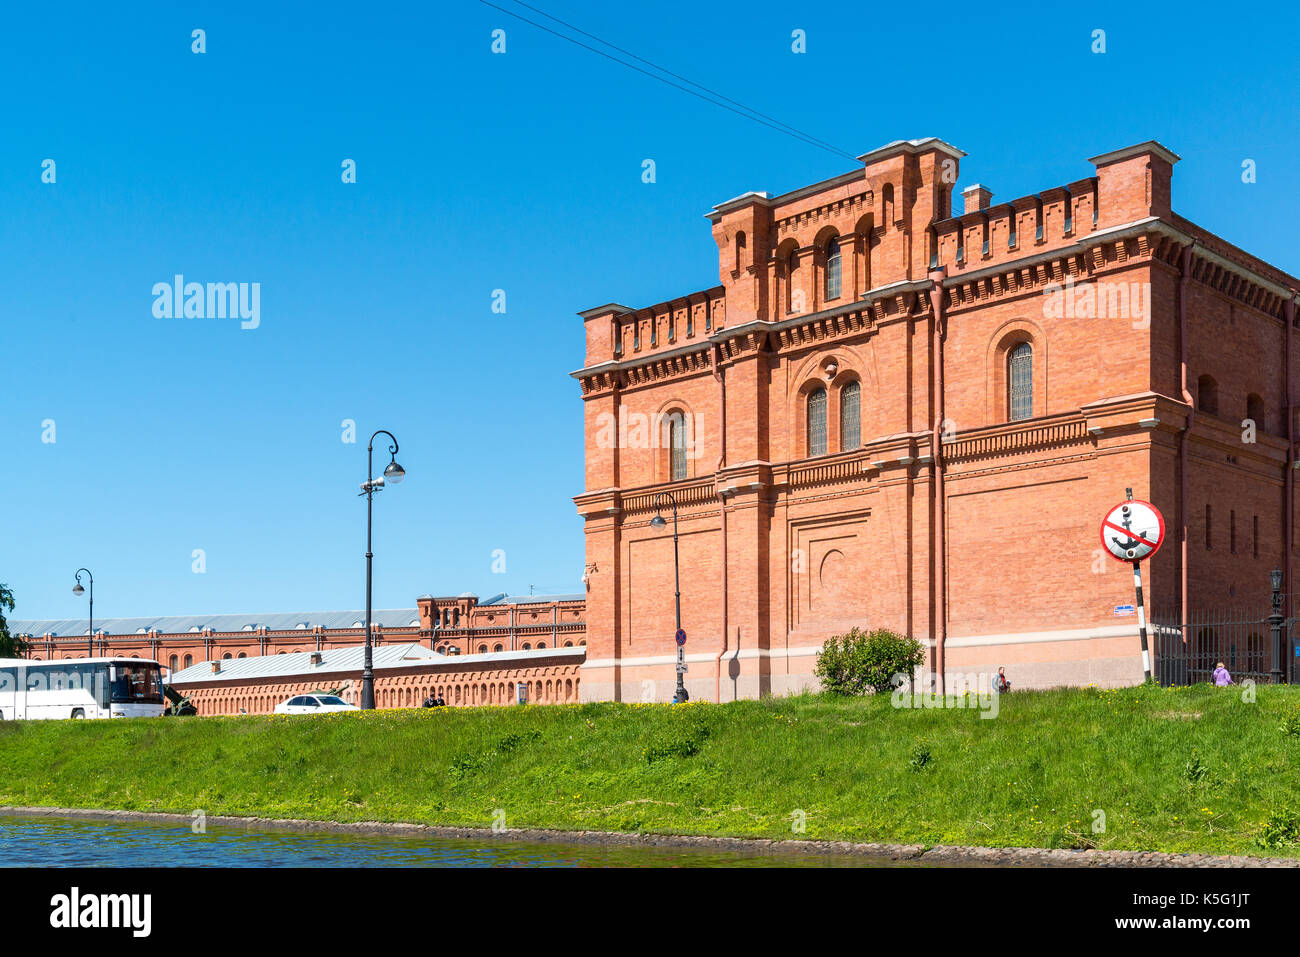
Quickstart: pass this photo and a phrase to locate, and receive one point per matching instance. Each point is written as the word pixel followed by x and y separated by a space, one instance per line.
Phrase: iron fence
pixel 1188 652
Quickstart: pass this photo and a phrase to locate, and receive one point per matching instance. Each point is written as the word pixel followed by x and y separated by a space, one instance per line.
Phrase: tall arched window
pixel 1207 395
pixel 850 416
pixel 1255 412
pixel 1020 382
pixel 817 422
pixel 677 446
pixel 833 269
pixel 189 660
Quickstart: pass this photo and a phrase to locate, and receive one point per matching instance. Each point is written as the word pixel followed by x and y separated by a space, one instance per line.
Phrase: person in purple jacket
pixel 1221 677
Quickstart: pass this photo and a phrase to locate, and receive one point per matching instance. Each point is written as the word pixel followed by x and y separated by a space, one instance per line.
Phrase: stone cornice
pixel 849 318
pixel 1151 240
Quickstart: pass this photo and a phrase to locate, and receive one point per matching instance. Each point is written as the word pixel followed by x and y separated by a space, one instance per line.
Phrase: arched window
pixel 482 649
pixel 171 662
pixel 833 269
pixel 817 422
pixel 1207 395
pixel 1255 412
pixel 850 416
pixel 677 446
pixel 1020 382
pixel 496 648
pixel 189 660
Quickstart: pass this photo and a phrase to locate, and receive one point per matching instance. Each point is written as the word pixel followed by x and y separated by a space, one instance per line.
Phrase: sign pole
pixel 1142 621
pixel 1130 532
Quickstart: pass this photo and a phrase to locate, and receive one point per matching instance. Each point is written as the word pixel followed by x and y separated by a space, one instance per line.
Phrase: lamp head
pixel 394 472
pixel 658 521
pixel 1275 576
pixel 78 590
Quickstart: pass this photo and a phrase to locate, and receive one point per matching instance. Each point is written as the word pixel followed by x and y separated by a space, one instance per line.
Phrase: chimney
pixel 216 667
pixel 315 658
pixel 977 198
pixel 1134 183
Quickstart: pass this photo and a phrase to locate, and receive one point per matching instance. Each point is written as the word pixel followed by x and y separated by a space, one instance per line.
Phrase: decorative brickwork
pixel 950 521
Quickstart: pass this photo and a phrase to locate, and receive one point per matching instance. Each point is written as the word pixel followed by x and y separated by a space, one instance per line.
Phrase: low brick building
pixel 890 413
pixel 459 626
pixel 405 674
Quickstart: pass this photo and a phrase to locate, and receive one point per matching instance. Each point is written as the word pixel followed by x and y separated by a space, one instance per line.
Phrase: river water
pixel 80 842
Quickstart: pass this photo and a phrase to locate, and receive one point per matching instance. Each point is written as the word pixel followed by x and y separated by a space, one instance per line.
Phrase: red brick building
pixel 471 652
pixel 462 625
pixel 892 414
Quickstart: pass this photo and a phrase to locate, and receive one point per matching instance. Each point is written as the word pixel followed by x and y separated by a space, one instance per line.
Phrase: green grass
pixel 1193 769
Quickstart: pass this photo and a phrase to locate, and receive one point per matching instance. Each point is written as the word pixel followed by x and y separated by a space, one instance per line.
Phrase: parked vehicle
pixel 313 704
pixel 80 688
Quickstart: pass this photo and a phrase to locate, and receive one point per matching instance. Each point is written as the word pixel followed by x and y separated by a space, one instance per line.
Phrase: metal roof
pixel 299 663
pixel 352 659
pixel 183 624
pixel 531 599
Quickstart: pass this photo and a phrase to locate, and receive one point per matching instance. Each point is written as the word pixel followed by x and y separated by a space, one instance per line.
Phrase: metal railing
pixel 1188 652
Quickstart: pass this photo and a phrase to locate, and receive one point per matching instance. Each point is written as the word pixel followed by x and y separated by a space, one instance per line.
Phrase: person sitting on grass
pixel 1000 683
pixel 1221 677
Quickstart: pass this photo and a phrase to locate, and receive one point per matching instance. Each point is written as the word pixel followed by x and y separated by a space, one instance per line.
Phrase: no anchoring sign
pixel 1133 531
pixel 1130 532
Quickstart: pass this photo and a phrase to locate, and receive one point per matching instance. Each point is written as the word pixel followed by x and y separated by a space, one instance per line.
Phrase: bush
pixel 859 662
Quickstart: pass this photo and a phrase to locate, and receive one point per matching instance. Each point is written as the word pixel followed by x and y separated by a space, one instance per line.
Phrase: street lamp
pixel 79 591
pixel 658 522
pixel 393 473
pixel 1275 621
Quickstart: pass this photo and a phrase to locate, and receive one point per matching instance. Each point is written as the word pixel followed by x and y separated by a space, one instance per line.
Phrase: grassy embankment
pixel 1177 770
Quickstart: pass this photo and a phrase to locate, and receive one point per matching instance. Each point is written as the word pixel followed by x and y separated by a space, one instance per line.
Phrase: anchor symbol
pixel 1132 542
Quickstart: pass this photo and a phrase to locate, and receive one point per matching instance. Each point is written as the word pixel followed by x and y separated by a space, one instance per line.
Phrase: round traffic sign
pixel 1133 531
pixel 681 636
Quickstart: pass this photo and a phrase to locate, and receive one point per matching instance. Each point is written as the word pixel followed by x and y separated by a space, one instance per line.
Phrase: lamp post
pixel 393 473
pixel 658 522
pixel 79 591
pixel 1275 620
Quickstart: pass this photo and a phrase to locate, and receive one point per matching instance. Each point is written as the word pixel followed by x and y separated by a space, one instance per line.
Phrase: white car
pixel 314 704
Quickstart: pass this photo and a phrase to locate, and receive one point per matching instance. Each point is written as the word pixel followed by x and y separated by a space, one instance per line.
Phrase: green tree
pixel 11 646
pixel 861 661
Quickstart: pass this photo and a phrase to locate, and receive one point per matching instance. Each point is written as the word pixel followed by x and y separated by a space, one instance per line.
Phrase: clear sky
pixel 475 172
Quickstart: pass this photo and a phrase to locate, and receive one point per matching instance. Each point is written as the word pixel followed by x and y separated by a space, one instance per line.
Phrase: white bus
pixel 80 688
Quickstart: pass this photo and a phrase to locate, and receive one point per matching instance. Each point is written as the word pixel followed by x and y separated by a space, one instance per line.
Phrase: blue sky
pixel 475 171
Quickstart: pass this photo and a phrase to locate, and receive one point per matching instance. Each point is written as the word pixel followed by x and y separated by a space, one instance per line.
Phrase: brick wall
pixel 1088 275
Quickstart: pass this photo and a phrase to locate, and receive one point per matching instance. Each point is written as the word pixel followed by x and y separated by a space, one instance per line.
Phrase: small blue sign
pixel 1122 610
pixel 681 636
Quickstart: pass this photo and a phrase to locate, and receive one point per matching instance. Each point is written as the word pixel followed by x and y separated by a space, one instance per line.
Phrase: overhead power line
pixel 708 95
